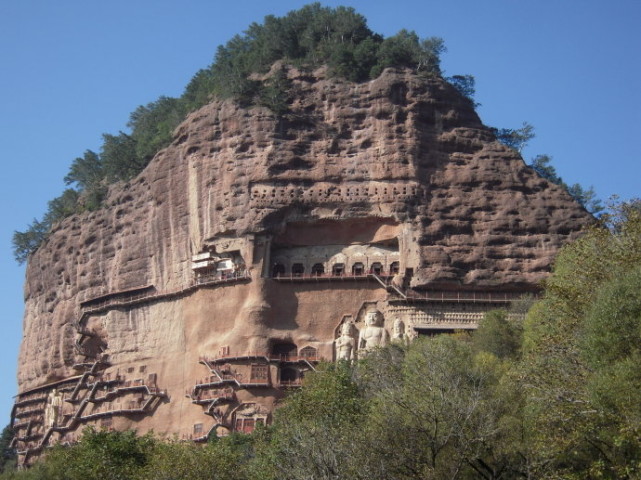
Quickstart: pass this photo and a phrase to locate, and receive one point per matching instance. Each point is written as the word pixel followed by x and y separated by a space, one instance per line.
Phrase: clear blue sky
pixel 74 69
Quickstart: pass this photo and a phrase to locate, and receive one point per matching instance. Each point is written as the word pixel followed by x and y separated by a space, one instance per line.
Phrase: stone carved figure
pixel 345 344
pixel 398 331
pixel 373 334
pixel 52 410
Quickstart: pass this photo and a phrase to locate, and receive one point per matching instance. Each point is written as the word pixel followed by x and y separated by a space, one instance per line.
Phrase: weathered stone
pixel 401 165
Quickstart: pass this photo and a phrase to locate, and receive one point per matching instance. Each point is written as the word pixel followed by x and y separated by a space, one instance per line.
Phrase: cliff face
pixel 401 166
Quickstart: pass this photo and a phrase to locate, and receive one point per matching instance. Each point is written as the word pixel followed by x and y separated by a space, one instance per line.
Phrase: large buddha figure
pixel 373 334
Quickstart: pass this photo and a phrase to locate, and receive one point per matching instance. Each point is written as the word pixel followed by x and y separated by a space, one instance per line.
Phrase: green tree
pixel 63 206
pixel 516 139
pixel 585 197
pixel 498 335
pixel 364 58
pixel 179 460
pixel 466 86
pixel 398 50
pixel 542 164
pixel 86 171
pixel 315 433
pixel 7 453
pixel 119 157
pixel 435 412
pixel 100 455
pixel 428 58
pixel 152 126
pixel 199 90
pixel 275 91
pixel 579 350
pixel 27 242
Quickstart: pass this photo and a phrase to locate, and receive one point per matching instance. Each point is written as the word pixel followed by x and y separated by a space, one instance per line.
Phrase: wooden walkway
pixel 70 420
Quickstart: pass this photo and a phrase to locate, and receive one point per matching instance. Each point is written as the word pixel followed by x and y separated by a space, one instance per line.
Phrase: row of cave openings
pixel 346 192
pixel 335 270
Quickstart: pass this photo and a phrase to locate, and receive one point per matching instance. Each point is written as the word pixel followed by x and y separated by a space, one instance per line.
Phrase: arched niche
pixel 309 352
pixel 284 349
pixel 298 269
pixel 278 270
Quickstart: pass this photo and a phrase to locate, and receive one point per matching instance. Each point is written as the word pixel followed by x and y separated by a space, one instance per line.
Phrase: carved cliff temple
pixel 233 377
pixel 100 394
pixel 331 249
pixel 58 412
pixel 336 260
pixel 248 416
pixel 239 387
pixel 239 259
pixel 209 266
pixel 431 313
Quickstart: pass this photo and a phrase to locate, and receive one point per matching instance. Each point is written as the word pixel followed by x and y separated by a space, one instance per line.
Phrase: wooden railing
pixel 329 276
pixel 291 383
pixel 131 292
pixel 222 278
pixel 211 396
pixel 270 357
pixel 74 415
pixel 473 297
pixel 119 299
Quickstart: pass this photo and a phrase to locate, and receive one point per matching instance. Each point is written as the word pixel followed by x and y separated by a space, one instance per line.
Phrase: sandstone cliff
pixel 401 162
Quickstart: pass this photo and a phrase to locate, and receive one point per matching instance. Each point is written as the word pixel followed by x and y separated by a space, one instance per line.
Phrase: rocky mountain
pixel 214 280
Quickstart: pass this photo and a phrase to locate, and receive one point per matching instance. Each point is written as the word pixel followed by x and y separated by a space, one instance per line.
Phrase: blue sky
pixel 72 70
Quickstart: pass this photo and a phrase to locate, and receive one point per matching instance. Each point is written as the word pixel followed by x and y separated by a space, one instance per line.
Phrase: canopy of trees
pixel 550 394
pixel 7 455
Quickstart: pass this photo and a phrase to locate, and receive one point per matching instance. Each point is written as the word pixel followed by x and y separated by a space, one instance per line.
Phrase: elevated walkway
pixel 82 394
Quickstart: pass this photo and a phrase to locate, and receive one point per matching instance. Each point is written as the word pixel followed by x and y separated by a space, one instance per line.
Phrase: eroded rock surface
pixel 401 166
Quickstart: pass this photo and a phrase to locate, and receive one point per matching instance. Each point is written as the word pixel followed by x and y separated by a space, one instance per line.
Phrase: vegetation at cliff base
pixel 549 390
pixel 7 454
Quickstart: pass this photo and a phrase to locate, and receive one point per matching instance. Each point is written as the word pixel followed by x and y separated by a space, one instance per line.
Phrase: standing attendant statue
pixel 52 410
pixel 398 332
pixel 372 335
pixel 345 344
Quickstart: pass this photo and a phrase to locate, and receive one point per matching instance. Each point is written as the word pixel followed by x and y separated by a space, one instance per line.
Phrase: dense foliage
pixel 581 355
pixel 551 394
pixel 7 453
pixel 102 455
